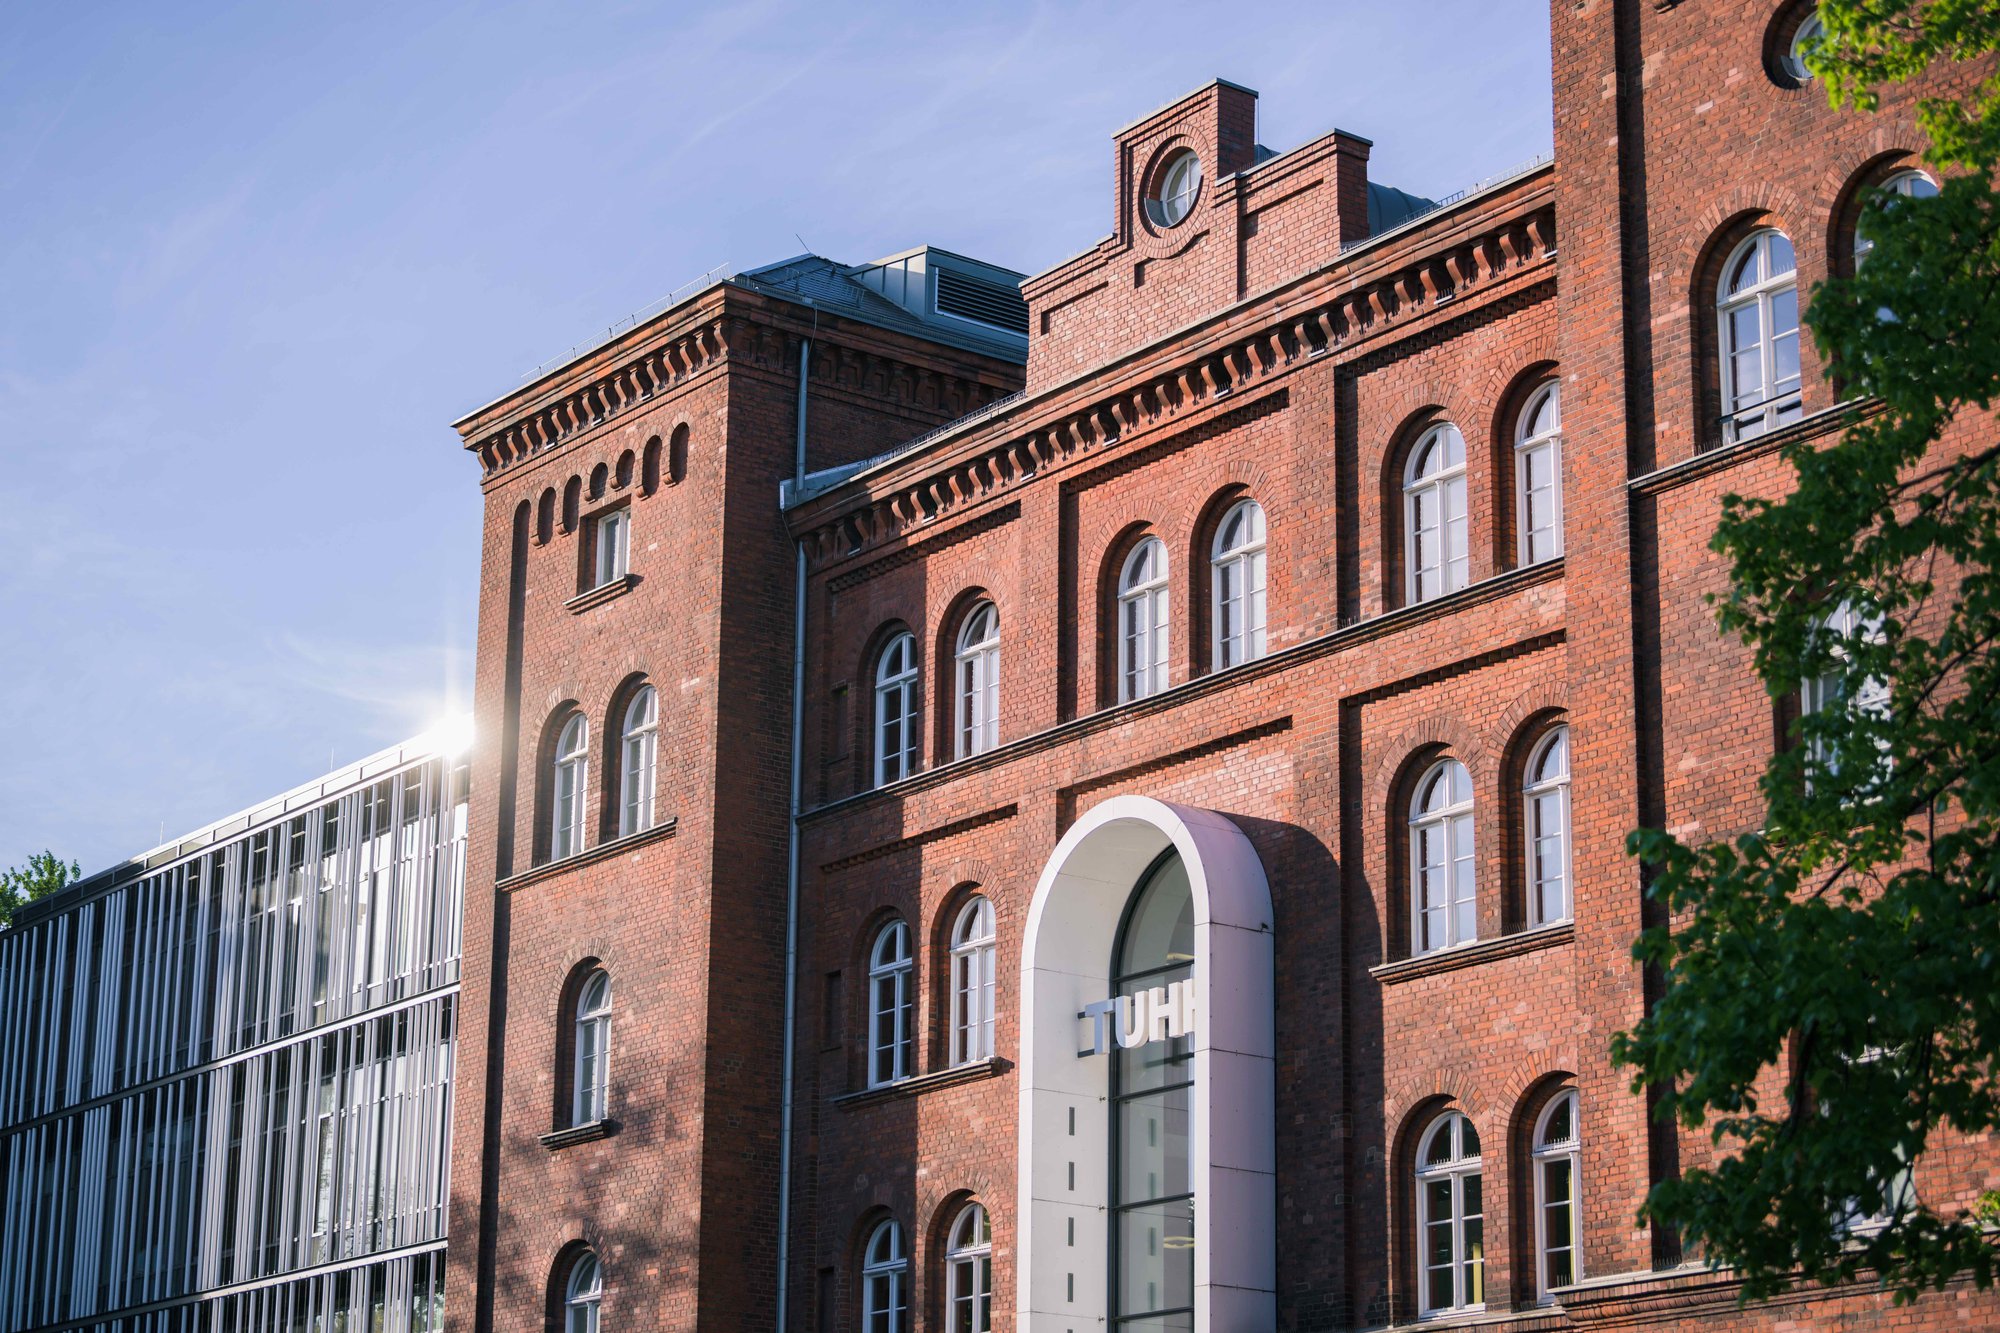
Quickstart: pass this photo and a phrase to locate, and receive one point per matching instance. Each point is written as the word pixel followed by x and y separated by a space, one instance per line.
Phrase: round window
pixel 1793 33
pixel 1176 185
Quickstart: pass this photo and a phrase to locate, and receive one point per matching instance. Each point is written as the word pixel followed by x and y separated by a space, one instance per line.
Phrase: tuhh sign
pixel 1159 1014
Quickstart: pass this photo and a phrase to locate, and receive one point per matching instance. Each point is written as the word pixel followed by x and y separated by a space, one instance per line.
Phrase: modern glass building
pixel 226 1070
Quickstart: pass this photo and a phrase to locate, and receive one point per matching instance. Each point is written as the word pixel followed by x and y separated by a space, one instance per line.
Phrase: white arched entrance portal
pixel 1064 1260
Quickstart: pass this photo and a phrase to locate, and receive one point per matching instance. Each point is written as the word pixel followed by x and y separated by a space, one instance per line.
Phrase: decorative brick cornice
pixel 726 325
pixel 1454 263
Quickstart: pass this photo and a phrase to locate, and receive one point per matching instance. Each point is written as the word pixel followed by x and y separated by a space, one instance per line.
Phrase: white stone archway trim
pixel 1064 1119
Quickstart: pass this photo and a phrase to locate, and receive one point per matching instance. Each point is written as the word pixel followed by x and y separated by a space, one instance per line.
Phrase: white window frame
pixel 639 747
pixel 583 1294
pixel 968 1265
pixel 1440 829
pixel 1810 29
pixel 1236 580
pixel 977 674
pixel 1768 294
pixel 1536 439
pixel 1434 483
pixel 890 967
pixel 1458 1168
pixel 974 958
pixel 896 709
pixel 590 1067
pixel 1143 618
pixel 1907 183
pixel 611 546
pixel 1178 191
pixel 1820 693
pixel 1545 830
pixel 569 789
pixel 1547 1154
pixel 1900 1193
pixel 885 1280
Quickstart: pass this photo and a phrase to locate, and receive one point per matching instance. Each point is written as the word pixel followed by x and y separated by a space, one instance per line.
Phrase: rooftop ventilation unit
pixel 974 298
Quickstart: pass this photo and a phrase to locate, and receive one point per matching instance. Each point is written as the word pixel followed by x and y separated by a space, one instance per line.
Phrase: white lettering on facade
pixel 1159 1014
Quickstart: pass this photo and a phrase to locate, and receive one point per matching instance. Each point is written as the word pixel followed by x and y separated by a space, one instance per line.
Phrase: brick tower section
pixel 688 424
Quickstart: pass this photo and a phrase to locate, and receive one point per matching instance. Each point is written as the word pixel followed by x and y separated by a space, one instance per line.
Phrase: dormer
pixel 1202 216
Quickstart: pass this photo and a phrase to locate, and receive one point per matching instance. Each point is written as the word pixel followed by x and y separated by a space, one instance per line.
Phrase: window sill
pixel 921 1083
pixel 1471 955
pixel 601 594
pixel 1717 455
pixel 557 1140
pixel 602 851
pixel 1533 1316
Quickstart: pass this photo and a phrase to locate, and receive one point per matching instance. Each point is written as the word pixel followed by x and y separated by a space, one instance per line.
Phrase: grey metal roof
pixel 1390 207
pixel 827 285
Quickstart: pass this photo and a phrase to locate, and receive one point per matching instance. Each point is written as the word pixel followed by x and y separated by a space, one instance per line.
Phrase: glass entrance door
pixel 1152 1085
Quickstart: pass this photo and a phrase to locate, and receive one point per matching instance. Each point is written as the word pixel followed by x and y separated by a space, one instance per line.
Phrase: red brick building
pixel 1179 882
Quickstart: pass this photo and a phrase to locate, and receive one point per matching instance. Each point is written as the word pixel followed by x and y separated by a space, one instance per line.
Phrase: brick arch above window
pixel 943 703
pixel 1413 426
pixel 563 1082
pixel 1102 595
pixel 1512 390
pixel 1401 764
pixel 541 774
pixel 1844 211
pixel 1402 757
pixel 1722 227
pixel 561 1267
pixel 859 717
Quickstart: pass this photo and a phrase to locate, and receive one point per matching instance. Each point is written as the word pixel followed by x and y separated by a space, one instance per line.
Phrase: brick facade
pixel 1268 347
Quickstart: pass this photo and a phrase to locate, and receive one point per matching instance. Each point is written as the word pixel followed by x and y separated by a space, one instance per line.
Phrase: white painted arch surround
pixel 1065 964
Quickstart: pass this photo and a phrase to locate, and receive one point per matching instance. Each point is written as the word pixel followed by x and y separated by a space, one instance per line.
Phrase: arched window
pixel 639 755
pixel 1441 867
pixel 896 710
pixel 591 1079
pixel 1842 630
pixel 1434 514
pixel 1908 183
pixel 1538 503
pixel 968 1263
pixel 1236 583
pixel 1547 833
pixel 1152 1087
pixel 569 782
pixel 885 1272
pixel 889 1005
pixel 1556 1148
pixel 583 1295
pixel 1451 1244
pixel 1142 621
pixel 972 966
pixel 978 691
pixel 1757 307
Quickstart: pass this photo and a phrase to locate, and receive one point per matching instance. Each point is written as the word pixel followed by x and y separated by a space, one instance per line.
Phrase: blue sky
pixel 255 258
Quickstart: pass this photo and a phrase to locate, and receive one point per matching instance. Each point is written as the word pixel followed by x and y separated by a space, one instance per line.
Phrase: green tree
pixel 42 876
pixel 1849 951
